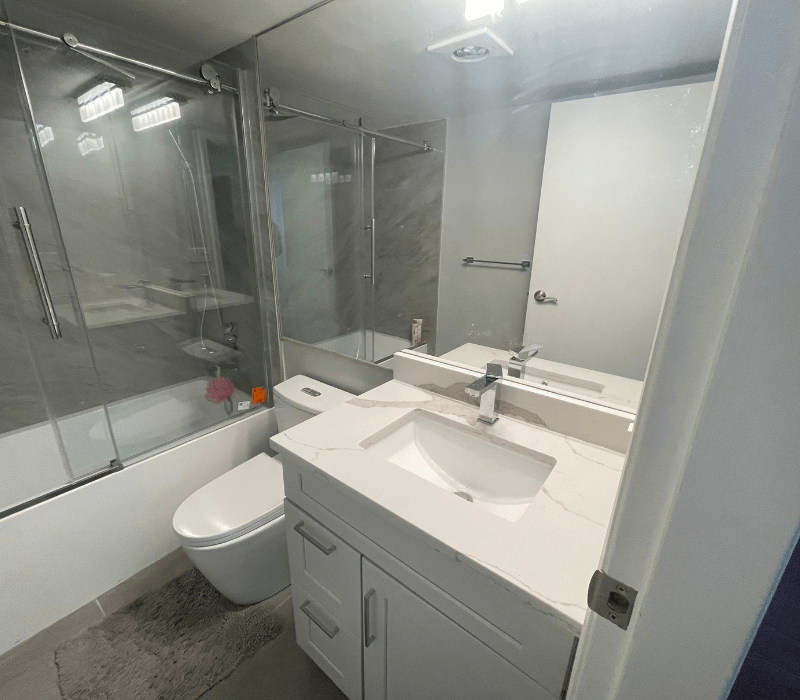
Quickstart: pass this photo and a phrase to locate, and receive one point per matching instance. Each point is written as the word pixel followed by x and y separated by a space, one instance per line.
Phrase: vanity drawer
pixel 328 642
pixel 325 566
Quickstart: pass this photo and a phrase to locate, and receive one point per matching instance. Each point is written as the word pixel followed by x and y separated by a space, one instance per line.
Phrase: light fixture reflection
pixel 89 142
pixel 100 100
pixel 44 134
pixel 480 8
pixel 159 112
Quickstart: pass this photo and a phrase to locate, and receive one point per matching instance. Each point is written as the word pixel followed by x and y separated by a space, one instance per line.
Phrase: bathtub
pixel 31 462
pixel 352 344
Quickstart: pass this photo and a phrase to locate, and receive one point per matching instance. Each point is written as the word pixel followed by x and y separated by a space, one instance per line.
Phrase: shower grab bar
pixel 24 225
pixel 330 630
pixel 524 264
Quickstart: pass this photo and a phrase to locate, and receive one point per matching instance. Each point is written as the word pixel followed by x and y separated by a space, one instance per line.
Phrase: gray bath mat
pixel 173 644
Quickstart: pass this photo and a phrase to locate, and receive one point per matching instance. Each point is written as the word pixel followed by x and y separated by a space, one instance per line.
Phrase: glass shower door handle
pixel 371 275
pixel 50 318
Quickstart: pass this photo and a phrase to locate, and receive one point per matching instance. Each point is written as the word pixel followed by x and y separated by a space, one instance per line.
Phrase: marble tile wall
pixel 409 187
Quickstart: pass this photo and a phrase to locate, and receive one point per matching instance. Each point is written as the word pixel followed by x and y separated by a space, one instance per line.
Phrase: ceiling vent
pixel 473 46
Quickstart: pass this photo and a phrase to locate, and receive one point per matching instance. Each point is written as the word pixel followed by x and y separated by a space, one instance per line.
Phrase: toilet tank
pixel 300 398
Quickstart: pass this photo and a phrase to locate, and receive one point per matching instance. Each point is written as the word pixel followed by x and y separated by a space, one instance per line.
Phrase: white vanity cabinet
pixel 411 650
pixel 379 640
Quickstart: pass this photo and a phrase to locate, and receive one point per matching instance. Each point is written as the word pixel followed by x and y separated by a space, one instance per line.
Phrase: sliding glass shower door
pixel 148 180
pixel 315 174
pixel 53 424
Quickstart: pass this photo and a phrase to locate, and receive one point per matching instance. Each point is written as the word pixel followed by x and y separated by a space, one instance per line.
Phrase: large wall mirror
pixel 487 180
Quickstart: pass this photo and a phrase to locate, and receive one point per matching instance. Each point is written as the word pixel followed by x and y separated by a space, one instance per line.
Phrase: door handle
pixel 326 550
pixel 368 637
pixel 371 275
pixel 24 226
pixel 542 297
pixel 331 631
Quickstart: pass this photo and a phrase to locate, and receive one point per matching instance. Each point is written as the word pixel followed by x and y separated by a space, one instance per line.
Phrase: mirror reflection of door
pixel 618 175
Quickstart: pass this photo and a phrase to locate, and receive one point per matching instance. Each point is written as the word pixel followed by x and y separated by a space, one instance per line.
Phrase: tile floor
pixel 280 670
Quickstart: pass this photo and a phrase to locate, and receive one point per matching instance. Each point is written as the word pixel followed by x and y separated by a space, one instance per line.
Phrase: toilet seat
pixel 240 501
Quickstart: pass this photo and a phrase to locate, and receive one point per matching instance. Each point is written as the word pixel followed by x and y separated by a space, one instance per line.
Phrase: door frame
pixel 707 515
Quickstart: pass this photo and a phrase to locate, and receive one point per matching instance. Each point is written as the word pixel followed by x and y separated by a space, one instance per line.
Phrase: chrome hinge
pixel 611 599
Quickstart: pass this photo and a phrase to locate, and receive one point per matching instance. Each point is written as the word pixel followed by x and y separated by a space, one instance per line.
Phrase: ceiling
pixel 196 29
pixel 371 55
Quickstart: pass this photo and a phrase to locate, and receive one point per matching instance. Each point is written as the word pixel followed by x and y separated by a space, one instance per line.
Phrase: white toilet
pixel 233 527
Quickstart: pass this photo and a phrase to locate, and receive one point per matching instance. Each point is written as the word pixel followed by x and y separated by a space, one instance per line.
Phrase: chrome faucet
pixel 519 358
pixel 486 387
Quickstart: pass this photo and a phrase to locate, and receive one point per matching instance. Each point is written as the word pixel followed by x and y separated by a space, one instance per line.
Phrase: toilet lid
pixel 241 500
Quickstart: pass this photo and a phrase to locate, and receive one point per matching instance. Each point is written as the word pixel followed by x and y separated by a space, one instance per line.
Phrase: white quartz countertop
pixel 620 392
pixel 547 557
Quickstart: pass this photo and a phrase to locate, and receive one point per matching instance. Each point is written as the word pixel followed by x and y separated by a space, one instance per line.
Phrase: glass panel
pixel 146 174
pixel 320 248
pixel 409 184
pixel 52 417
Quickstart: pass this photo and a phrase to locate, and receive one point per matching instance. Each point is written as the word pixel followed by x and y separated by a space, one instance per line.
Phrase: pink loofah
pixel 219 389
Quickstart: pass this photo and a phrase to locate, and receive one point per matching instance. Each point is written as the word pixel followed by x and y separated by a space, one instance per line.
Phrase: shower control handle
pixel 24 226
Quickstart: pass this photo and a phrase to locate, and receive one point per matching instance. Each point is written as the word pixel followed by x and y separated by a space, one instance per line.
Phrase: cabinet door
pixel 411 650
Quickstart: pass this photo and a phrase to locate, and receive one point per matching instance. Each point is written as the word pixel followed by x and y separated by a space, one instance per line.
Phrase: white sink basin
pixel 492 473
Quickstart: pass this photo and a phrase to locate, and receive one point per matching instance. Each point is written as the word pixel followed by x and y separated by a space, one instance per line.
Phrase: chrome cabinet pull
pixel 331 632
pixel 24 225
pixel 308 536
pixel 368 638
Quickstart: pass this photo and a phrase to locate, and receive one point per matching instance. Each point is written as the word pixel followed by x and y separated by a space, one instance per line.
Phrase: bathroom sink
pixel 491 473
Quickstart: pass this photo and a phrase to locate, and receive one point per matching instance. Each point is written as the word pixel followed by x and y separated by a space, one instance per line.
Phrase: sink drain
pixel 464 495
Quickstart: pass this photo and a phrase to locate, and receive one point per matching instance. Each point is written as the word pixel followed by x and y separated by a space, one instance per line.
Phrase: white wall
pixel 708 513
pixel 62 553
pixel 493 175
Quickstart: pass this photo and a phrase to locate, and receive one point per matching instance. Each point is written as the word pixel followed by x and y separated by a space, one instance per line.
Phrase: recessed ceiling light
pixel 470 54
pixel 474 45
pixel 480 8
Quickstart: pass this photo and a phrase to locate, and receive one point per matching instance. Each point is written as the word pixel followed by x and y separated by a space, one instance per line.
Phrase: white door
pixel 618 175
pixel 707 512
pixel 411 650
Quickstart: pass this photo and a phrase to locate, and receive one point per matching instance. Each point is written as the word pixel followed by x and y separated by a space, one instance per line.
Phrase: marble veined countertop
pixel 610 389
pixel 547 557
